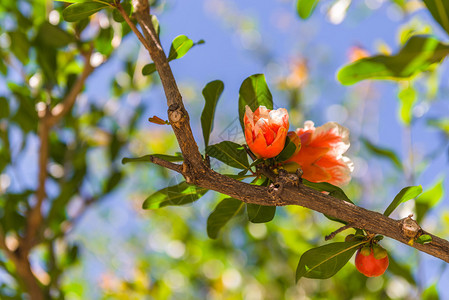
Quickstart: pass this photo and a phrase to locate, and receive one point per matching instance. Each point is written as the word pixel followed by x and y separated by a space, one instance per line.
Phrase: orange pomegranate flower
pixel 321 154
pixel 266 130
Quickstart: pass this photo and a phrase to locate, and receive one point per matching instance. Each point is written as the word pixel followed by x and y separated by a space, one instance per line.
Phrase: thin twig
pixel 333 234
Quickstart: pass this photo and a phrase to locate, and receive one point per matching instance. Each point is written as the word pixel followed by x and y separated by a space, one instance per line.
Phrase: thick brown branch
pixel 197 172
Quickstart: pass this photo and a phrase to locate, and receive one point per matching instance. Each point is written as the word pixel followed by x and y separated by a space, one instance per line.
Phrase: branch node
pixel 175 113
pixel 141 6
pixel 410 229
pixel 288 179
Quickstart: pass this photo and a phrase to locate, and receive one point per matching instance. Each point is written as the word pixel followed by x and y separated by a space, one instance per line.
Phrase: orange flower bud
pixel 321 153
pixel 157 120
pixel 266 130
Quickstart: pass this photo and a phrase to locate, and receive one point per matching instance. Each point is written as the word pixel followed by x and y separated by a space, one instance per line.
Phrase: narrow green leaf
pixel 211 94
pixel 305 8
pixel 325 261
pixel 440 12
pixel 417 55
pixel 223 212
pixel 383 152
pixel 254 92
pixel 404 195
pixel 424 239
pixel 430 198
pixel 287 152
pixel 117 16
pixel 179 47
pixel 147 158
pixel 260 213
pixel 230 153
pixel 179 194
pixel 20 46
pixel 407 98
pixel 79 11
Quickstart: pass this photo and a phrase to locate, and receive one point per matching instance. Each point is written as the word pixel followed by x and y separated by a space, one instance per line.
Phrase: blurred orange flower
pixel 321 153
pixel 266 130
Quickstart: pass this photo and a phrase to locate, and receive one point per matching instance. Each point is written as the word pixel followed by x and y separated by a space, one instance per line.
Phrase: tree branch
pixel 198 173
pixel 46 122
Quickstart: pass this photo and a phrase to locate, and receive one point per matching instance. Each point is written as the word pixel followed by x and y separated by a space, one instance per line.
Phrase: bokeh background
pixel 124 252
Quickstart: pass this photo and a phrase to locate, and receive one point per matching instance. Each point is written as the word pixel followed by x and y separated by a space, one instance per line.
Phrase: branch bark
pixel 197 172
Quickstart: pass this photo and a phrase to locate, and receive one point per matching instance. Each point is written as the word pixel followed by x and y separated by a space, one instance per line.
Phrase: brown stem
pixel 197 172
pixel 23 269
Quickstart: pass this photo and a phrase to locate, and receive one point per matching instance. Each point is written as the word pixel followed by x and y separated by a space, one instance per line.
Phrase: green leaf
pixel 287 152
pixel 4 108
pixel 440 12
pixel 149 69
pixel 306 7
pixel 53 36
pixel 417 55
pixel 333 191
pixel 20 46
pixel 404 195
pixel 230 153
pixel 113 181
pixel 117 16
pixel 325 261
pixel 223 212
pixel 211 94
pixel 147 158
pixel 431 293
pixel 260 213
pixel 179 47
pixel 407 98
pixel 179 194
pixel 430 198
pixel 424 239
pixel 383 152
pixel 254 92
pixel 79 11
